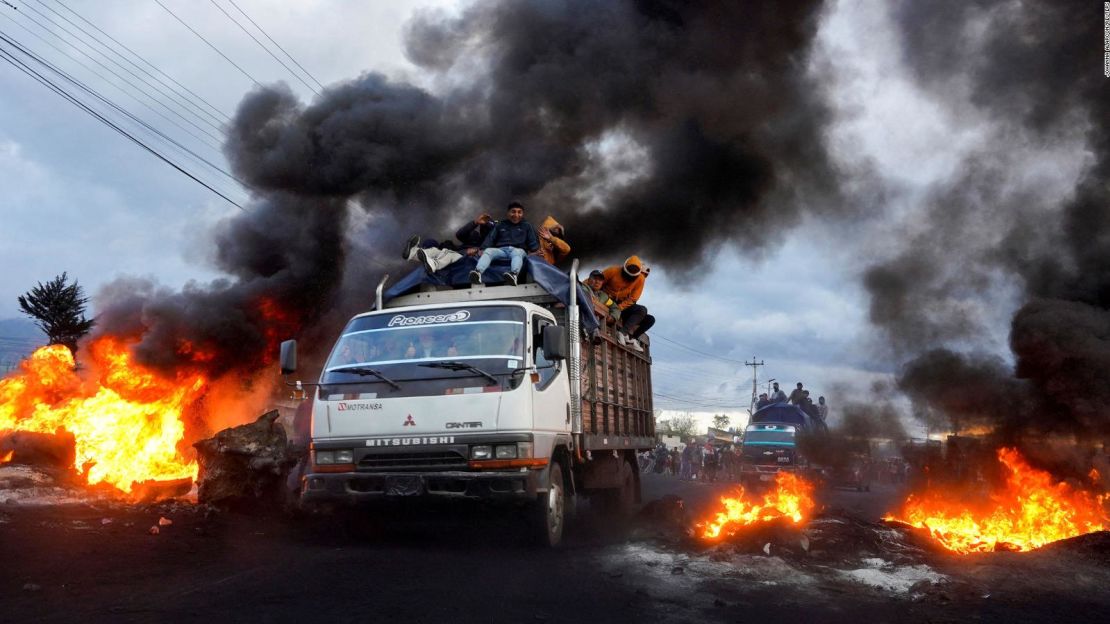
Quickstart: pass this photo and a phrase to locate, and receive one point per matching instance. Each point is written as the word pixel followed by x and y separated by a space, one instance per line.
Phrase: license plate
pixel 404 486
pixel 765 477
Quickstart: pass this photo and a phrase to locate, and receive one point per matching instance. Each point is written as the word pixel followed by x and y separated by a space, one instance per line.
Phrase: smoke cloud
pixel 539 97
pixel 1033 71
pixel 654 127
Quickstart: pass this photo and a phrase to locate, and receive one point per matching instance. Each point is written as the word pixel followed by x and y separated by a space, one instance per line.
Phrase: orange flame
pixel 1029 511
pixel 6 457
pixel 127 421
pixel 791 498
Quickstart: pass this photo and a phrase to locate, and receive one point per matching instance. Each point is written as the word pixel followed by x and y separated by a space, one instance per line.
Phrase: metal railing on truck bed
pixel 617 410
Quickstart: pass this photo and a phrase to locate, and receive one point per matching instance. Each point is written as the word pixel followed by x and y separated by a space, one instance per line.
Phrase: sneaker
pixel 510 278
pixel 409 244
pixel 422 256
pixel 635 345
pixel 476 278
pixel 621 338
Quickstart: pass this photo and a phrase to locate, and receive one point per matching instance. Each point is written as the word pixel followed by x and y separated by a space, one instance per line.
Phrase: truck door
pixel 550 392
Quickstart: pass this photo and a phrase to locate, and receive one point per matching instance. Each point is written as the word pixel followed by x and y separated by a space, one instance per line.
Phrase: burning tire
pixel 549 513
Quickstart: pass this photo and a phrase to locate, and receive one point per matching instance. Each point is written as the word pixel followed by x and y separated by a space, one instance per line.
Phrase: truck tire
pixel 619 503
pixel 549 513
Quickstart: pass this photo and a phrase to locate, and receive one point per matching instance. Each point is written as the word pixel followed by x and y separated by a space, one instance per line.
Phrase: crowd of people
pixel 798 396
pixel 617 289
pixel 704 462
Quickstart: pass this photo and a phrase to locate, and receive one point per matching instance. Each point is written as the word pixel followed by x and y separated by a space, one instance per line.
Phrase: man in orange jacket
pixel 625 284
pixel 553 244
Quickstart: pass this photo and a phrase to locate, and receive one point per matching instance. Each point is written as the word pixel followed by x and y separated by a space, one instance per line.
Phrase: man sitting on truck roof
pixel 512 238
pixel 593 284
pixel 435 255
pixel 625 284
pixel 553 245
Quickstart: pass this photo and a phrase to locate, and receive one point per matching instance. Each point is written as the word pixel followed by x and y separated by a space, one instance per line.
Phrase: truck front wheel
pixel 549 513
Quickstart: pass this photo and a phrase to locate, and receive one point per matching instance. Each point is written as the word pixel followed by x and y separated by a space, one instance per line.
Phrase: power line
pixel 114 73
pixel 23 67
pixel 691 349
pixel 226 117
pixel 306 72
pixel 241 70
pixel 249 34
pixel 118 108
pixel 189 105
pixel 102 77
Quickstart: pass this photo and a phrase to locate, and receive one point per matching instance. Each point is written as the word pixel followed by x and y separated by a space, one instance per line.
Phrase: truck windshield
pixel 490 338
pixel 769 436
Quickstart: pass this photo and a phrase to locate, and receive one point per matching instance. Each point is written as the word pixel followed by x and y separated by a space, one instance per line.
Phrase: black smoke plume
pixel 1033 70
pixel 712 98
pixel 654 127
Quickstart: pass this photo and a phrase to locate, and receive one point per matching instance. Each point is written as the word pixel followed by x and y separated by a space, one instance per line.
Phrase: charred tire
pixel 549 512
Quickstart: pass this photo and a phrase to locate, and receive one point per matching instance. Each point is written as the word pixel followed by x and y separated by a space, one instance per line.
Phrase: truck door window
pixel 546 368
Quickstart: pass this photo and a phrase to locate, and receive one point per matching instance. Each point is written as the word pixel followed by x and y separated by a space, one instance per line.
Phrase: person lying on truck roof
pixel 625 284
pixel 553 244
pixel 512 238
pixel 435 255
pixel 593 284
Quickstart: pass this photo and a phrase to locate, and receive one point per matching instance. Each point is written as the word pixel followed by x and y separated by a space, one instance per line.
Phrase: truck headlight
pixel 480 452
pixel 345 456
pixel 325 457
pixel 524 450
pixel 506 451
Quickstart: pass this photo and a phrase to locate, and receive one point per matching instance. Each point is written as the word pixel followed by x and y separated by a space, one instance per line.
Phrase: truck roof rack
pixel 524 292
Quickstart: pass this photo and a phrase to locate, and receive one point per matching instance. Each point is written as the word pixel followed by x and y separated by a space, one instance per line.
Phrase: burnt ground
pixel 98 562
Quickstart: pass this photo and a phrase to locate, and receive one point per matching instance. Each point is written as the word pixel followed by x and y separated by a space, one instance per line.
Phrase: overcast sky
pixel 79 198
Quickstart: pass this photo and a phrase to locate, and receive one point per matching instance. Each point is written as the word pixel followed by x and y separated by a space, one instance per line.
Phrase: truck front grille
pixel 438 460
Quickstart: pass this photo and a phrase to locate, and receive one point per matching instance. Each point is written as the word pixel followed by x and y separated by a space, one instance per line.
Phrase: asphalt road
pixel 100 564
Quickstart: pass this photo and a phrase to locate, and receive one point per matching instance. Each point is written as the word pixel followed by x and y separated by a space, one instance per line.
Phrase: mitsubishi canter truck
pixel 487 392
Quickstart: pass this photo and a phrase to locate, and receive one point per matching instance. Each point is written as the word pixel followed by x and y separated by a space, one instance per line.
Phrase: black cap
pixel 596 273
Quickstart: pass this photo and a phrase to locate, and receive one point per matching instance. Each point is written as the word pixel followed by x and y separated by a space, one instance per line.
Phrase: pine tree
pixel 59 311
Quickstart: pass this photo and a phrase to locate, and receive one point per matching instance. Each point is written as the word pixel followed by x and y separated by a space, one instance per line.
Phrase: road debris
pixel 245 466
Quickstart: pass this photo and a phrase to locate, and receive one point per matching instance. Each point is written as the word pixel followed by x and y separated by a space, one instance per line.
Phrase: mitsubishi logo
pixel 409 422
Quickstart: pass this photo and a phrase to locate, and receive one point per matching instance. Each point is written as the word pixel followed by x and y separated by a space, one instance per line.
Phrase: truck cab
pixel 770 443
pixel 478 393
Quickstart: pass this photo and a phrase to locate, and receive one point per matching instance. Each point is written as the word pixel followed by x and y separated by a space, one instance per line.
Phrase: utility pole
pixel 755 381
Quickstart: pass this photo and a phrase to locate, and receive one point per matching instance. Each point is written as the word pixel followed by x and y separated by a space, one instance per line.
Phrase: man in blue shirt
pixel 512 238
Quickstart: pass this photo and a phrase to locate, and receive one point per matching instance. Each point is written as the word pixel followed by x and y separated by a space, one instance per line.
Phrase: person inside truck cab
pixel 425 346
pixel 625 284
pixel 512 238
pixel 435 255
pixel 553 244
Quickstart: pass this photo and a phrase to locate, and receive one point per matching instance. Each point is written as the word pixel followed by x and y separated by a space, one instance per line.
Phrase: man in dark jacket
pixel 512 238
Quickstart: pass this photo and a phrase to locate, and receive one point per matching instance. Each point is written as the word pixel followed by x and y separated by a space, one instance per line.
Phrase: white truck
pixel 480 393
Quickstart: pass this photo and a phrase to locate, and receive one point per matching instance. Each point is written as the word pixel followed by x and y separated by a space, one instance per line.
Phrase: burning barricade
pixel 116 428
pixel 125 422
pixel 790 500
pixel 1029 509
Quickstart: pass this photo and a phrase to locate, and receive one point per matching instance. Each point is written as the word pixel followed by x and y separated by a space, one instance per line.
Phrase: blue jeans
pixel 515 255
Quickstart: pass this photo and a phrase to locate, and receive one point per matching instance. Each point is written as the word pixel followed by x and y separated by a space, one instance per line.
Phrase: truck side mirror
pixel 555 342
pixel 288 357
